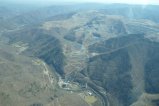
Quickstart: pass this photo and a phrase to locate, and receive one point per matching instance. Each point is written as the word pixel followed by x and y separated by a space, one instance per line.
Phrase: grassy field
pixel 90 99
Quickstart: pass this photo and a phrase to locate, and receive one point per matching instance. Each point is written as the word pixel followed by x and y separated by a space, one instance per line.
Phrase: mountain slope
pixel 97 55
pixel 125 72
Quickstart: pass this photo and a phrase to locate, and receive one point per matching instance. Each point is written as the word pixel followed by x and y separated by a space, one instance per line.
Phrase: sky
pixel 144 2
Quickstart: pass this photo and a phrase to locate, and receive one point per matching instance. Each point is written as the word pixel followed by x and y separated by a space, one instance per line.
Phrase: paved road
pixel 101 97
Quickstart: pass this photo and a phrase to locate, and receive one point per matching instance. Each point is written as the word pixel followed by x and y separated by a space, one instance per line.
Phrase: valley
pixel 80 55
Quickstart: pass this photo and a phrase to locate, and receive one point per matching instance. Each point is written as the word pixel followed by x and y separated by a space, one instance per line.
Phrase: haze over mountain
pixel 48 2
pixel 87 54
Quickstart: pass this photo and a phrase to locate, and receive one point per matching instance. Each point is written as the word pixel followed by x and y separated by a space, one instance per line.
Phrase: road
pixel 99 95
pixel 97 92
pixel 102 95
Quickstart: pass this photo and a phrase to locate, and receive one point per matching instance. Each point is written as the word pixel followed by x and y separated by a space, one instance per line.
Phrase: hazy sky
pixel 100 1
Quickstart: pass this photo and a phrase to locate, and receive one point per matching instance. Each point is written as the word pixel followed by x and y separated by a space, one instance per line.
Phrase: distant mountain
pixel 36 16
pixel 108 54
